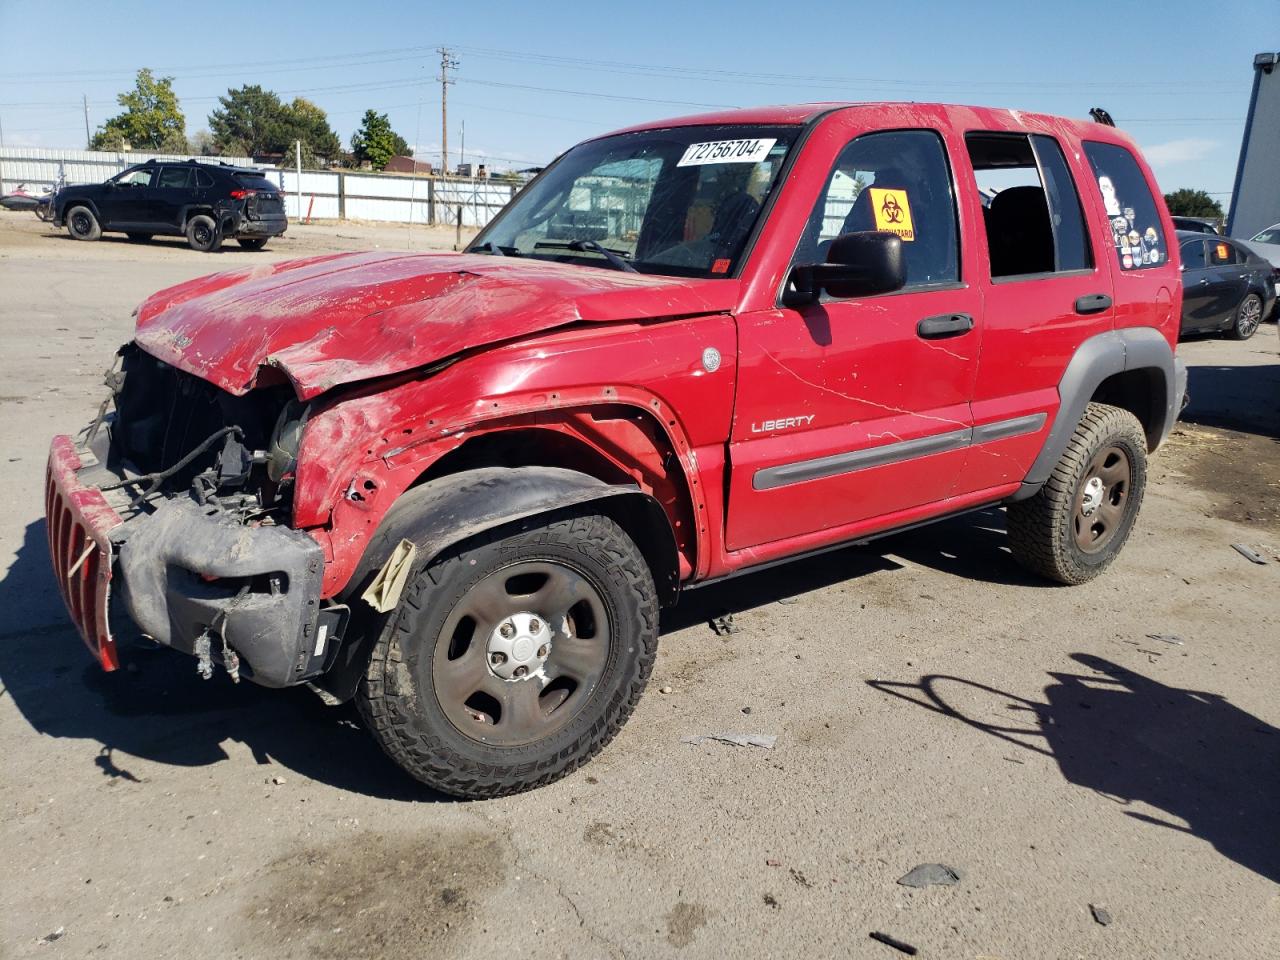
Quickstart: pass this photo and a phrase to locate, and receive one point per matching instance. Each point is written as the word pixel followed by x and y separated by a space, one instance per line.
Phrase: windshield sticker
pixel 892 212
pixel 726 151
pixel 1109 196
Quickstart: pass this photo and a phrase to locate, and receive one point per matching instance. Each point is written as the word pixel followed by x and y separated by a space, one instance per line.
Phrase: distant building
pixel 1255 199
pixel 407 165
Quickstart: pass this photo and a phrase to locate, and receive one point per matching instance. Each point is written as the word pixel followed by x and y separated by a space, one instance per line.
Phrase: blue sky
pixel 1177 75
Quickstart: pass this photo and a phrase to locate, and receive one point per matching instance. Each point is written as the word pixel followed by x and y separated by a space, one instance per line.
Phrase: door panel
pixel 171 193
pixel 845 411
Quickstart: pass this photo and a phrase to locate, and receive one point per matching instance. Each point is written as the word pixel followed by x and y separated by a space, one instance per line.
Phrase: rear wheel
pixel 203 234
pixel 252 243
pixel 1073 528
pixel 82 224
pixel 1248 316
pixel 139 237
pixel 514 659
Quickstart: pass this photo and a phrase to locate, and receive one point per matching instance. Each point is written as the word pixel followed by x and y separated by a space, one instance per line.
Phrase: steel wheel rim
pixel 1250 314
pixel 80 223
pixel 1101 499
pixel 495 710
pixel 202 234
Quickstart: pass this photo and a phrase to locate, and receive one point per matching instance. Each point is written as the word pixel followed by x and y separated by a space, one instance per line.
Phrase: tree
pixel 151 120
pixel 254 121
pixel 375 141
pixel 1192 203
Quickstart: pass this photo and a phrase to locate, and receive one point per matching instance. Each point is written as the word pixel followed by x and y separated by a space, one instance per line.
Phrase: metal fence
pixel 321 194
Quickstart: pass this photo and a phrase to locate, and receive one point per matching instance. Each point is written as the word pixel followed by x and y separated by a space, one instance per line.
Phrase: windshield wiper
pixel 496 250
pixel 591 246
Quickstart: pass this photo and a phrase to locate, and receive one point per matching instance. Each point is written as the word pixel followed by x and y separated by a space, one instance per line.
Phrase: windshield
pixel 1269 235
pixel 680 201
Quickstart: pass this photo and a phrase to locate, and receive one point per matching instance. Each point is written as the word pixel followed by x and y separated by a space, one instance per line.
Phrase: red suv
pixel 459 487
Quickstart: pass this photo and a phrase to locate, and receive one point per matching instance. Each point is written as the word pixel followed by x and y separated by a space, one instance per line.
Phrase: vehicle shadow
pixel 1191 754
pixel 1244 398
pixel 160 710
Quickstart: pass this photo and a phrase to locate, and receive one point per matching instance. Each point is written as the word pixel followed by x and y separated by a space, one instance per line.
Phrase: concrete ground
pixel 932 703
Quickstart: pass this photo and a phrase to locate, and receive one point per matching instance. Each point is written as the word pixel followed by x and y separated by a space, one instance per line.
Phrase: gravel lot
pixel 932 704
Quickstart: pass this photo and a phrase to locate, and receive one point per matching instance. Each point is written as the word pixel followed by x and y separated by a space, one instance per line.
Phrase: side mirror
pixel 857 265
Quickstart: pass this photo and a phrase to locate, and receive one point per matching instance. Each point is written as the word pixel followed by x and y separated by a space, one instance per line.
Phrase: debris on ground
pixel 931 875
pixel 723 625
pixel 766 740
pixel 884 938
pixel 771 901
pixel 1100 915
pixel 1166 638
pixel 278 781
pixel 773 863
pixel 746 710
pixel 788 600
pixel 664 689
pixel 56 935
pixel 1248 552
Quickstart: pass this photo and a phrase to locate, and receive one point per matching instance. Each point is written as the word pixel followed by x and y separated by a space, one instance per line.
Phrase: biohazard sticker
pixel 893 212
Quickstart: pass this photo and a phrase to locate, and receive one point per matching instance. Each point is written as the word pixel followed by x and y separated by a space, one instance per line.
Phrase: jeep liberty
pixel 460 487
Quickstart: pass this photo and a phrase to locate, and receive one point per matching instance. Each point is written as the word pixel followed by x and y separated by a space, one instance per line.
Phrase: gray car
pixel 1267 244
pixel 1226 287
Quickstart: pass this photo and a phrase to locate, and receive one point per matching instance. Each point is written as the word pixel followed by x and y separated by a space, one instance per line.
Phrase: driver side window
pixel 136 178
pixel 897 181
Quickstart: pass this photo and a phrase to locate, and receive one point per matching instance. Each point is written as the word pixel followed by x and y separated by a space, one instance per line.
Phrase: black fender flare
pixel 60 218
pixel 1096 359
pixel 450 510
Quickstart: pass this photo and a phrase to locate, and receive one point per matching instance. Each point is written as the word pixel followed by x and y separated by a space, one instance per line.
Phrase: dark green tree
pixel 151 120
pixel 375 141
pixel 1192 203
pixel 254 121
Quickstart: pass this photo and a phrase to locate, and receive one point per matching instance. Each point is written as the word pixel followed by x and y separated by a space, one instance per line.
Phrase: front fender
pixel 452 509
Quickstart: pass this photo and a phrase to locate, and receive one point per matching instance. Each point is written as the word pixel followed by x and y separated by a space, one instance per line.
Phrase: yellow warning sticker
pixel 893 212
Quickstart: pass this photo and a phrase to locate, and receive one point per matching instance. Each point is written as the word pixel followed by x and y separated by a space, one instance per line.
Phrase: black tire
pixel 1248 316
pixel 139 237
pixel 203 234
pixel 404 696
pixel 1072 529
pixel 252 243
pixel 82 224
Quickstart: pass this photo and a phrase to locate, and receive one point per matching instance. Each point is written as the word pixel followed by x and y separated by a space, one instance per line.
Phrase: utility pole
pixel 88 138
pixel 447 62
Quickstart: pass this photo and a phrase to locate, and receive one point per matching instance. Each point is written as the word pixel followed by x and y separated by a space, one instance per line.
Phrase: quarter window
pixel 1128 203
pixel 1030 205
pixel 897 181
pixel 203 179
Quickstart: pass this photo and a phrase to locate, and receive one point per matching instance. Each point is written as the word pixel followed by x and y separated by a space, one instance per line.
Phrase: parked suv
pixel 459 487
pixel 204 202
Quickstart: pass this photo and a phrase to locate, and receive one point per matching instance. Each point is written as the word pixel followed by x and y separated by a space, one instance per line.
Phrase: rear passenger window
pixel 203 179
pixel 898 181
pixel 1129 205
pixel 1192 254
pixel 1030 204
pixel 174 178
pixel 1222 253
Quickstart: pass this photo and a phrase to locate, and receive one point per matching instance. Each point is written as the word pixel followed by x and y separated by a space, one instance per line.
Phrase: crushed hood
pixel 332 320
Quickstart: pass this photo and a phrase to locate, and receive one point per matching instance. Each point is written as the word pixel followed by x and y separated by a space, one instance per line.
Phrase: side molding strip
pixel 770 478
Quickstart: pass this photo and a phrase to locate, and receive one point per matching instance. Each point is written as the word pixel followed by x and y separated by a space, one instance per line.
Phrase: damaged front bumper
pixel 194 577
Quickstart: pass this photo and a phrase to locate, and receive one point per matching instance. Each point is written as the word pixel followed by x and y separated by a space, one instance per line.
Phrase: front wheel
pixel 1248 316
pixel 203 234
pixel 515 658
pixel 1073 528
pixel 82 224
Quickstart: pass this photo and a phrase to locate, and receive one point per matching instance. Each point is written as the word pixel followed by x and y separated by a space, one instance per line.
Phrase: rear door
pixel 858 409
pixel 172 193
pixel 1229 278
pixel 1045 290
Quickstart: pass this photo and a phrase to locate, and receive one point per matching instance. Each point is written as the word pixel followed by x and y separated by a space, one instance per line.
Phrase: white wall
pixel 364 196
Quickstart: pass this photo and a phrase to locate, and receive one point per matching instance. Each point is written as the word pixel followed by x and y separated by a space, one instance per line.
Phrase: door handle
pixel 1093 303
pixel 946 325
